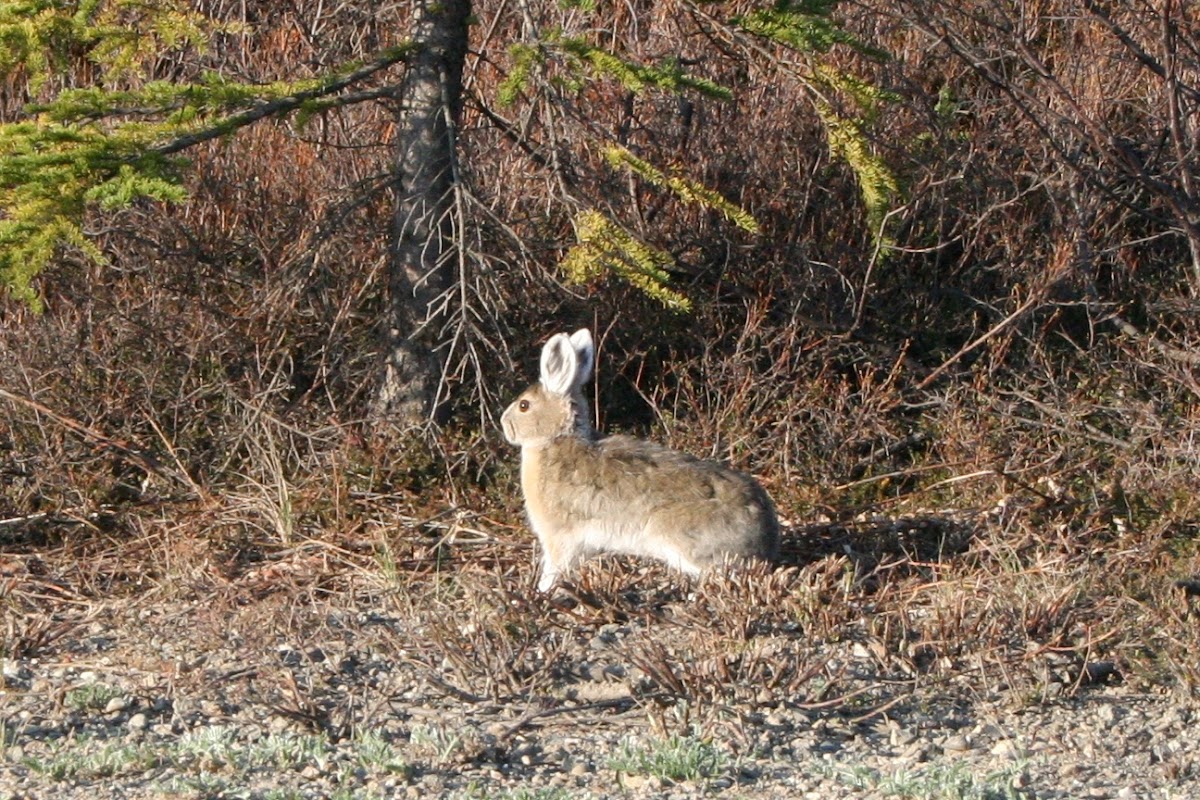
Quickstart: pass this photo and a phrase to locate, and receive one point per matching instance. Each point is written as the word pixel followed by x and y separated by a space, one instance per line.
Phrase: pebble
pixel 956 743
pixel 1004 749
pixel 637 782
pixel 137 722
pixel 116 704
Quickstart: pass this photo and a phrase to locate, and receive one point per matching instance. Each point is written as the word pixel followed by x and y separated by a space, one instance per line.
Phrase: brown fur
pixel 624 495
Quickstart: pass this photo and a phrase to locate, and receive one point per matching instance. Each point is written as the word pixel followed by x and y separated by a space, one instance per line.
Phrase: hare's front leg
pixel 559 554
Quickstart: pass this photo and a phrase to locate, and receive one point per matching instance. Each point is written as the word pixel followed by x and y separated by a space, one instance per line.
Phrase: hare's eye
pixel 523 405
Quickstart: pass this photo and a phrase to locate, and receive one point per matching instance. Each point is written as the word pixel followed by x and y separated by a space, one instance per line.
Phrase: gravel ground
pixel 271 699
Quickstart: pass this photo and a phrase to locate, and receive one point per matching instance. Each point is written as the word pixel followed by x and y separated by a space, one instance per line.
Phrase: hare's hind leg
pixel 694 536
pixel 668 541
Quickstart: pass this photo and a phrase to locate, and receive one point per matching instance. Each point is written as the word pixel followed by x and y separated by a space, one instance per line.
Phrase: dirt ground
pixel 298 679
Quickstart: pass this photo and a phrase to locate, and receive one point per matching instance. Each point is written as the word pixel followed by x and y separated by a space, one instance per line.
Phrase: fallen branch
pixel 145 460
pixel 967 348
pixel 1168 351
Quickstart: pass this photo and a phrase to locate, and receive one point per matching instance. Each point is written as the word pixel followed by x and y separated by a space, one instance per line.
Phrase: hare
pixel 586 495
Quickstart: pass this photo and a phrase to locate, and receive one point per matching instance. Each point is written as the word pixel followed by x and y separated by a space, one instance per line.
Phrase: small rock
pixel 1100 671
pixel 643 781
pixel 116 704
pixel 137 722
pixel 956 743
pixel 1004 749
pixel 12 672
pixel 580 768
pixel 280 723
pixel 604 639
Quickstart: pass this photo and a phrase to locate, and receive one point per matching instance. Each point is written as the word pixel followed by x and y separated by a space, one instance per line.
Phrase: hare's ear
pixel 560 364
pixel 581 340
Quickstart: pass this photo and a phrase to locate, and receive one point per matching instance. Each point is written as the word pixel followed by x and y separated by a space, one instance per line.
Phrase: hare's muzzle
pixel 506 424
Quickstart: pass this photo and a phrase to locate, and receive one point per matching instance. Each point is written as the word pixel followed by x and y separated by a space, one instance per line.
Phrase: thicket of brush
pixel 1004 349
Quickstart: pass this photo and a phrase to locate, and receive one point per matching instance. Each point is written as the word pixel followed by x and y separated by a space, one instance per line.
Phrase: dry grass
pixel 1019 552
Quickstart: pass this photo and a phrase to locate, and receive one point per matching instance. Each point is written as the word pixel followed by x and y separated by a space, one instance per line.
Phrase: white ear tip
pixel 560 364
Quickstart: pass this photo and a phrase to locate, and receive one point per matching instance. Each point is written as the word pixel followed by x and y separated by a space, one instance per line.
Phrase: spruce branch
pixel 93 147
pixel 806 26
pixel 283 106
pixel 669 77
pixel 604 247
pixel 877 184
pixel 685 189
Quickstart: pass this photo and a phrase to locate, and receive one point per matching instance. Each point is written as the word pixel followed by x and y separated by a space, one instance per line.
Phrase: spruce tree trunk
pixel 422 263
